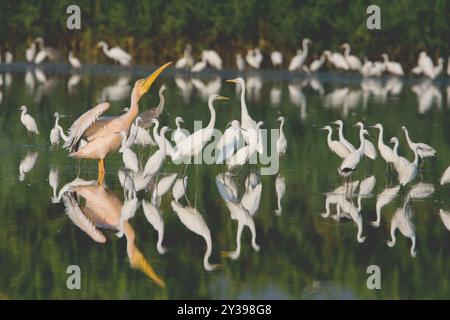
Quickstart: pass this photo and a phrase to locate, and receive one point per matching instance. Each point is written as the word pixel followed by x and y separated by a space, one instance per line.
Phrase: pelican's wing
pixel 83 123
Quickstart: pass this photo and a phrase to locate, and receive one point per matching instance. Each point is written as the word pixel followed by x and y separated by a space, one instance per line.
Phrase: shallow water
pixel 302 254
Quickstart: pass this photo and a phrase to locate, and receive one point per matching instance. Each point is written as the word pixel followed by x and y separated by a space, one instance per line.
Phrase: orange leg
pixel 101 172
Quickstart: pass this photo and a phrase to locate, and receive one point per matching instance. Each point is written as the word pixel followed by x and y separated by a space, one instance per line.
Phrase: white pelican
pixel 186 61
pixel 55 132
pixel 384 198
pixel 280 189
pixel 240 63
pixel 353 61
pixel 277 58
pixel 156 161
pixel 369 148
pixel 402 221
pixel 154 217
pixel 129 158
pixel 445 176
pixel 179 188
pixel 317 64
pixel 342 139
pixel 392 67
pixel 281 141
pixel 336 59
pixel 299 59
pixel 116 53
pixel 350 163
pixel 199 66
pixel 213 59
pixel 194 221
pixel 245 153
pixel 30 53
pixel 386 152
pixel 407 171
pixel 74 62
pixel 162 187
pixel 246 121
pixel 44 52
pixel 336 146
pixel 424 149
pixel 179 133
pixel 28 121
pixel 228 142
pixel 194 143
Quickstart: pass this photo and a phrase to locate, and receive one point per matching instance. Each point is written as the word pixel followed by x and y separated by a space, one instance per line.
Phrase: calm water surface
pixel 302 255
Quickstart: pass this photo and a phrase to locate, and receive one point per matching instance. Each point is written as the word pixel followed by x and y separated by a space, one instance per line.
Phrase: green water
pixel 302 254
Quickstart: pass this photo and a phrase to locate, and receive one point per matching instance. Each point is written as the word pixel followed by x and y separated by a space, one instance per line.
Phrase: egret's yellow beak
pixel 232 80
pixel 145 86
pixel 222 98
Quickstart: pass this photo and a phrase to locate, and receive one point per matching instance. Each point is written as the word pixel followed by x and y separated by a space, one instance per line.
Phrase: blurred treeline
pixel 157 30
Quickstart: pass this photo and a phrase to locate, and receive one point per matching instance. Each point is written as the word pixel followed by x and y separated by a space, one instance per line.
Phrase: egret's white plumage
pixel 352 61
pixel 386 152
pixel 277 58
pixel 228 142
pixel 336 146
pixel 30 53
pixel 317 64
pixel 349 164
pixel 299 59
pixel 162 187
pixel 28 121
pixel 179 188
pixel 156 161
pixel 280 189
pixel 445 176
pixel 74 61
pixel 179 133
pixel 154 217
pixel 424 149
pixel 281 141
pixel 116 53
pixel 337 60
pixel 245 153
pixel 129 158
pixel 391 66
pixel 342 139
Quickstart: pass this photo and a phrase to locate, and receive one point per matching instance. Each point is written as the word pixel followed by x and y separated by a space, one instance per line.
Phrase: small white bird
pixel 154 217
pixel 350 163
pixel 240 63
pixel 128 156
pixel 74 62
pixel 31 52
pixel 179 133
pixel 280 189
pixel 299 59
pixel 55 132
pixel 353 62
pixel 212 58
pixel 245 153
pixel 342 139
pixel 186 61
pixel 281 141
pixel 139 135
pixel 386 152
pixel 407 171
pixel 317 64
pixel 391 66
pixel 116 53
pixel 156 161
pixel 336 146
pixel 179 188
pixel 199 66
pixel 424 149
pixel 277 58
pixel 28 121
pixel 445 176
pixel 228 142
pixel 162 187
pixel 337 60
pixel 369 148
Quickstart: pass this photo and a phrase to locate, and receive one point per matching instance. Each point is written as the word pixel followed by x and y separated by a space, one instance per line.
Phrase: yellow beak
pixel 222 98
pixel 151 78
pixel 231 80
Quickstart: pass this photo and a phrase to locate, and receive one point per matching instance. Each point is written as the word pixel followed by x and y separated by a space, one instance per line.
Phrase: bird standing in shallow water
pixel 28 121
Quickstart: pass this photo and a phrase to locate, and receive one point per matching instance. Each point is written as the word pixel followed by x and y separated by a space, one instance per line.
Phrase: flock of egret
pixel 254 58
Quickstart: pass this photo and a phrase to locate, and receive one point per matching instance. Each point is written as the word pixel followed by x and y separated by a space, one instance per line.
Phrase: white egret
pixel 240 63
pixel 384 198
pixel 127 182
pixel 386 152
pixel 424 149
pixel 245 153
pixel 251 198
pixel 115 53
pixel 317 64
pixel 127 212
pixel 277 58
pixel 252 59
pixel 424 65
pixel 9 57
pixel 194 143
pixel 336 59
pixel 194 221
pixel 445 176
pixel 407 171
pixel 139 135
pixel 213 59
pixel 438 69
pixel 28 121
pixel 156 161
pixel 281 141
pixel 186 61
pixel 228 142
pixel 44 52
pixel 30 53
pixel 55 132
pixel 74 61
pixel 280 189
pixel 299 59
pixel 353 62
pixel 369 148
pixel 129 158
pixel 154 217
pixel 179 133
pixel 179 188
pixel 162 187
pixel 336 146
pixel 421 190
pixel 246 121
pixel 342 139
pixel 350 163
pixel 199 66
pixel 226 187
pixel 392 67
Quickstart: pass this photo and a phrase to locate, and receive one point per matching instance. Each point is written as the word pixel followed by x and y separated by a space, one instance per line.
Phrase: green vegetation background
pixel 157 30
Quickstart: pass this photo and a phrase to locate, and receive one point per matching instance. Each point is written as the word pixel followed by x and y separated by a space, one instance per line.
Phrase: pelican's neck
pixel 133 111
pixel 212 122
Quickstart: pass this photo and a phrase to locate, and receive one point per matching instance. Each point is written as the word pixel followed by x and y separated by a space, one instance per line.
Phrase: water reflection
pixel 27 164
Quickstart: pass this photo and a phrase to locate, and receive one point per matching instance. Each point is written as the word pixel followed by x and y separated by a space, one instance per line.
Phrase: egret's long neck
pixel 61 132
pixel 407 136
pixel 244 111
pixel 347 51
pixel 329 137
pixel 380 136
pixel 362 140
pixel 251 225
pixel 24 112
pixel 281 126
pixel 160 106
pixel 56 122
pixel 208 251
pixel 156 136
pixel 160 240
pixel 177 122
pixel 416 157
pixel 305 49
pixel 212 122
pixel 341 133
pixel 105 49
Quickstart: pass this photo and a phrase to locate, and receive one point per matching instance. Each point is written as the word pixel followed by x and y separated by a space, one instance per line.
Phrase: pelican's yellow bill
pixel 151 78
